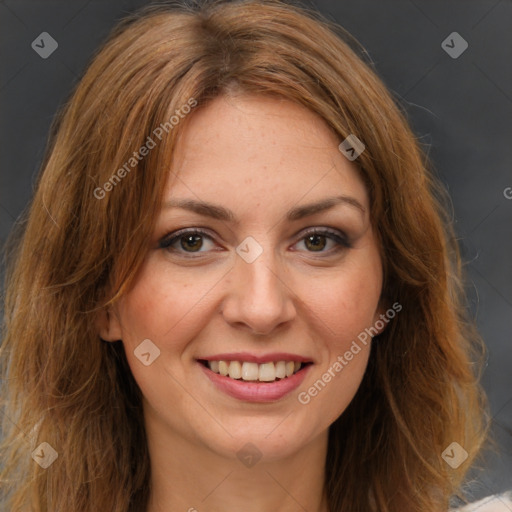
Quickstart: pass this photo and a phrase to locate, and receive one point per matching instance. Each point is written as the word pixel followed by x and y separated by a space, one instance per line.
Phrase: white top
pixel 496 503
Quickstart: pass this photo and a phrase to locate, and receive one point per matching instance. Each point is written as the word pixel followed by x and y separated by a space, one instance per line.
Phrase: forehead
pixel 260 147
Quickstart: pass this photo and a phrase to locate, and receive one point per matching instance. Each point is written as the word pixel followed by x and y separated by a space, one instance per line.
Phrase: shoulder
pixel 495 503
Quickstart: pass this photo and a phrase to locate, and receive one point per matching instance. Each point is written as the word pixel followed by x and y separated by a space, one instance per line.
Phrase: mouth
pixel 251 378
pixel 250 371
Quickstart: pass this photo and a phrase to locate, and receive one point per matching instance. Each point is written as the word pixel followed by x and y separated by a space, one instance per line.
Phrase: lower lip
pixel 256 391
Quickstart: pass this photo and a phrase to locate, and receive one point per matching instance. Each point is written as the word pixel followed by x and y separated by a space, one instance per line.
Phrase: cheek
pixel 343 311
pixel 346 303
pixel 162 302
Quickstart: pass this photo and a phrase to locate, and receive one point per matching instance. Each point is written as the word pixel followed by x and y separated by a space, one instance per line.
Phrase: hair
pixel 75 251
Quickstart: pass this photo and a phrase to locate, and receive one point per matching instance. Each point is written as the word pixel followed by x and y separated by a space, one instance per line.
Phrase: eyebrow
pixel 299 212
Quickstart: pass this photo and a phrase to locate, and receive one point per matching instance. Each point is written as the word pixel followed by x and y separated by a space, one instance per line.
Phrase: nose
pixel 258 299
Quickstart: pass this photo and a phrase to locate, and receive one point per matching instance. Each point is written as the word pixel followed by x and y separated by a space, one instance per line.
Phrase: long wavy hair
pixel 79 244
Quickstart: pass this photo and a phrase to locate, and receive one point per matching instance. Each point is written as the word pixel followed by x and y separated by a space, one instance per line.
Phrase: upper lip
pixel 254 358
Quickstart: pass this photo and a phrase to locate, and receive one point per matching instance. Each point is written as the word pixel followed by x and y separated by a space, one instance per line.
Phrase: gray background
pixel 461 108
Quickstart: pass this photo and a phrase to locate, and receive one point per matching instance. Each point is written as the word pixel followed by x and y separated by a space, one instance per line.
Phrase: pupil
pixel 193 240
pixel 316 245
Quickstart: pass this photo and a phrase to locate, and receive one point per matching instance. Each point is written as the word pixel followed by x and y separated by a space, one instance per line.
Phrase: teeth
pixel 265 372
pixel 223 367
pixel 249 371
pixel 235 370
pixel 280 369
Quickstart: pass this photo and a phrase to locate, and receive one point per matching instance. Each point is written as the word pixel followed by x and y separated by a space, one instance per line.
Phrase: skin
pixel 258 157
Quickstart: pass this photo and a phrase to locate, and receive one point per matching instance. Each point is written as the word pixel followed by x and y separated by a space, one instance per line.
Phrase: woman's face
pixel 255 286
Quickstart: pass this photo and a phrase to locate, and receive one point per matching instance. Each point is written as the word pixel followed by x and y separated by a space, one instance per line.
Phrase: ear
pixel 108 325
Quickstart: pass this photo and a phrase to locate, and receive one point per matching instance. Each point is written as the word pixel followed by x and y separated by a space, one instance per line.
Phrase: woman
pixel 236 286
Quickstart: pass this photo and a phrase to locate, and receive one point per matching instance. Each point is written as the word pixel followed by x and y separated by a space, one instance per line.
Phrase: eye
pixel 317 239
pixel 187 241
pixel 192 240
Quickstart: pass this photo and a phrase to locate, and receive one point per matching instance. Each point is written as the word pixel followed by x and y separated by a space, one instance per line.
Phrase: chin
pixel 270 438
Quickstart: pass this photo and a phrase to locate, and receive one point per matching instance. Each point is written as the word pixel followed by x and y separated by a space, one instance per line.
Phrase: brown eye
pixel 325 241
pixel 192 242
pixel 315 242
pixel 187 242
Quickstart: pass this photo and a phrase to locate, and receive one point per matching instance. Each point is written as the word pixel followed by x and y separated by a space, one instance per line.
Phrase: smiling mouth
pixel 254 372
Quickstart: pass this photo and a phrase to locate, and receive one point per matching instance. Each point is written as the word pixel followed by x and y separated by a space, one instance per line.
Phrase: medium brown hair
pixel 75 254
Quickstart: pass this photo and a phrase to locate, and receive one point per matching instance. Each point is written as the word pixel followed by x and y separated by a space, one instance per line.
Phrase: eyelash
pixel 338 237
